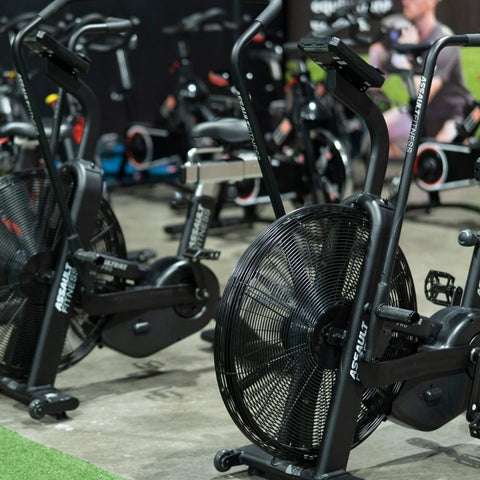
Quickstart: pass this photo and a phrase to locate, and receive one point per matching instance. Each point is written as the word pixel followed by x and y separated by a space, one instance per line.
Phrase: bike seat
pixel 227 130
pixel 26 130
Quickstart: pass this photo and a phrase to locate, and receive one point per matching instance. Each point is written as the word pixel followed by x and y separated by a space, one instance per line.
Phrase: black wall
pixel 155 52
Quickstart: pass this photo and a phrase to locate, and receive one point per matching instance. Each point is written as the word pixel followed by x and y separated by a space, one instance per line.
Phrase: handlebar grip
pixel 270 12
pixel 473 39
pixel 413 48
pixel 54 7
pixel 119 25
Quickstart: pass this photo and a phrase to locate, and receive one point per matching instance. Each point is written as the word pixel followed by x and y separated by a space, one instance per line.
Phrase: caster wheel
pixel 220 461
pixel 35 409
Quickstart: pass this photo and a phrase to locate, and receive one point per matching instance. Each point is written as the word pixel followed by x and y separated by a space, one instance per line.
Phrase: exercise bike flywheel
pixel 280 326
pixel 31 236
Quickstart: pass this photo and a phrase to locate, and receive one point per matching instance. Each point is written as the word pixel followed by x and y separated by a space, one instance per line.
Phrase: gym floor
pixel 162 417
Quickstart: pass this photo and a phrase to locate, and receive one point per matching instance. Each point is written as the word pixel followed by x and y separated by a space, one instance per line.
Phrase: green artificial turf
pixel 22 459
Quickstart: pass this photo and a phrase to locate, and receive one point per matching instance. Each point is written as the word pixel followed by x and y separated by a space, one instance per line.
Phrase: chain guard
pixel 140 333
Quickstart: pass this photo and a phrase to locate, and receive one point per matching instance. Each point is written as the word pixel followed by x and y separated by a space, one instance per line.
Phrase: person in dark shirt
pixel 449 96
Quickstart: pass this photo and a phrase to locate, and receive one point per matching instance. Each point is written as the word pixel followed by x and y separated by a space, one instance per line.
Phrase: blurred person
pixel 449 96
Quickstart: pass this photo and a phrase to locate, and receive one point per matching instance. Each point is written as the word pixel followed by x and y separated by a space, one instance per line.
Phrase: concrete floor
pixel 162 417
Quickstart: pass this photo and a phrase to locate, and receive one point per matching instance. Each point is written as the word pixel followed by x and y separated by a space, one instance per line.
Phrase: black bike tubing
pixel 471 294
pixel 414 140
pixel 247 108
pixel 87 98
pixel 35 117
pixel 57 120
pixel 197 223
pixel 126 80
pixel 346 400
pixel 363 106
pixel 311 167
pixel 53 331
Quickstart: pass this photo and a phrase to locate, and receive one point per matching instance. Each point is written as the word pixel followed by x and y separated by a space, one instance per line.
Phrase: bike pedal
pixel 203 254
pixel 438 284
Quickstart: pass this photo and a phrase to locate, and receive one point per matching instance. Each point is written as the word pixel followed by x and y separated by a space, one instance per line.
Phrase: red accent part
pixel 12 226
pixel 320 89
pixel 78 128
pixel 476 114
pixel 415 166
pixel 285 126
pixel 174 67
pixel 290 84
pixel 218 80
pixel 171 102
pixel 259 38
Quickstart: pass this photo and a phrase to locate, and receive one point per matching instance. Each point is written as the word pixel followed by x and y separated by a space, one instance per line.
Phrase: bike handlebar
pixel 248 110
pixel 22 71
pixel 122 30
pixel 412 48
pixel 51 9
pixel 45 45
pixel 211 20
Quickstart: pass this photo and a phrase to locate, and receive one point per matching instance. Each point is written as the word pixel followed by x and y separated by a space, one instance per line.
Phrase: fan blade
pixel 19 214
pixel 298 427
pixel 20 348
pixel 9 304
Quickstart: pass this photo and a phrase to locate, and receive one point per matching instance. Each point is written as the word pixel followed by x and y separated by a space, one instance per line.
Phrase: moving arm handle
pixel 469 40
pixel 246 104
pixel 22 71
pixel 270 13
pixel 87 99
pixel 116 26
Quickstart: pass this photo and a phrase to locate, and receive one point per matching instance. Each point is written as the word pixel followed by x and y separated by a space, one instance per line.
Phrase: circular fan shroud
pixel 298 277
pixel 31 234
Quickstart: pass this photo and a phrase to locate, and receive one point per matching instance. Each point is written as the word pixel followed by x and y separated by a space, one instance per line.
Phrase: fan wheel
pixel 31 236
pixel 275 355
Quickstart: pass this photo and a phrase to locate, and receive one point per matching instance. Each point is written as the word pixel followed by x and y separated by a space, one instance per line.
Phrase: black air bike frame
pixel 369 310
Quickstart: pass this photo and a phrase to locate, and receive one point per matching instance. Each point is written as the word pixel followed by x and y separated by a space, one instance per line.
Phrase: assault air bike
pixel 66 284
pixel 318 337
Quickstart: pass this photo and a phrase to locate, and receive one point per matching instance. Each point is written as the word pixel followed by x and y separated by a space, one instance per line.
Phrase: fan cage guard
pixel 31 237
pixel 296 279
